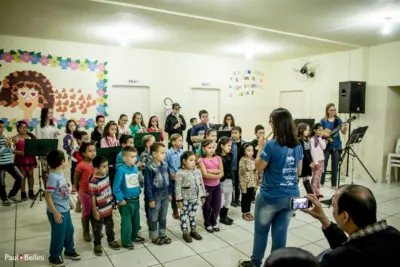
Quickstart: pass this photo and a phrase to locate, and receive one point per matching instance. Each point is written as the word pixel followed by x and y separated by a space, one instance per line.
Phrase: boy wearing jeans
pixel 102 205
pixel 58 211
pixel 127 191
pixel 158 194
pixel 7 165
pixel 173 156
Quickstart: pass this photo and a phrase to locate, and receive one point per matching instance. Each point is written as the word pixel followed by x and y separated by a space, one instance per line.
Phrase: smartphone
pixel 297 203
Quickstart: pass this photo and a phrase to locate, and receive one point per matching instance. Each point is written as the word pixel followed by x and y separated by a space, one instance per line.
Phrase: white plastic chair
pixel 393 161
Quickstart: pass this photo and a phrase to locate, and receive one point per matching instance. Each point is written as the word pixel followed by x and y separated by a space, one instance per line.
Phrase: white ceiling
pixel 276 29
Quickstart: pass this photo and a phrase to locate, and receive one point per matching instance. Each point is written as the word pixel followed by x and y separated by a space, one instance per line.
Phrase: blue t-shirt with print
pixel 57 185
pixel 337 143
pixel 280 176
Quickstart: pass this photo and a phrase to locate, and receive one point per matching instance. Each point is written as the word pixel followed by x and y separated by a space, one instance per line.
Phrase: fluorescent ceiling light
pixel 387 27
pixel 250 49
pixel 125 32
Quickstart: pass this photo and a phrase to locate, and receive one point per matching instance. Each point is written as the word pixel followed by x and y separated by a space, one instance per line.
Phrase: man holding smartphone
pixel 369 242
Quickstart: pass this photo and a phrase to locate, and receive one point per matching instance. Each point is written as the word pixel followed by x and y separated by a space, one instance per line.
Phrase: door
pixel 125 99
pixel 208 99
pixel 294 101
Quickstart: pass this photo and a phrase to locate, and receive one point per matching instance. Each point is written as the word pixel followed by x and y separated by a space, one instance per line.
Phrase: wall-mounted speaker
pixel 352 97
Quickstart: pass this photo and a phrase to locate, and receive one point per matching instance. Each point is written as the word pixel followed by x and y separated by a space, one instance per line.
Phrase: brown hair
pixel 156 146
pixel 174 137
pixel 30 79
pixel 328 106
pixel 146 139
pixel 133 122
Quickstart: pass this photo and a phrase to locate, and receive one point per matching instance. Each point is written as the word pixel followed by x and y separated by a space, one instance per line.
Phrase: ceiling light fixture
pixel 125 33
pixel 387 26
pixel 249 49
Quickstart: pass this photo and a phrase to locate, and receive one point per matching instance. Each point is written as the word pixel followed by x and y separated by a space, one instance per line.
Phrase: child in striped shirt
pixel 102 205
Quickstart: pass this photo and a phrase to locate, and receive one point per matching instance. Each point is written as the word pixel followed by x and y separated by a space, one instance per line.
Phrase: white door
pixel 204 98
pixel 294 101
pixel 128 100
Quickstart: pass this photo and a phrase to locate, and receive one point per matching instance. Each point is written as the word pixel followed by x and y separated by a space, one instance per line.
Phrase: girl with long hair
pixel 330 121
pixel 228 124
pixel 137 124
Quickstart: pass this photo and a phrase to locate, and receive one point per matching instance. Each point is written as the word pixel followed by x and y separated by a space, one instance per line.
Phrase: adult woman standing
pixel 47 129
pixel 228 124
pixel 280 159
pixel 331 121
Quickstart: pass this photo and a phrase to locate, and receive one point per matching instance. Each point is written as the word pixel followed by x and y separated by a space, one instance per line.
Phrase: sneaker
pixel 114 245
pixel 14 199
pixel 195 235
pixel 6 203
pixel 130 246
pixel 57 262
pixel 72 256
pixel 24 197
pixel 225 221
pixel 216 228
pixel 209 229
pixel 186 236
pixel 243 263
pixel 98 251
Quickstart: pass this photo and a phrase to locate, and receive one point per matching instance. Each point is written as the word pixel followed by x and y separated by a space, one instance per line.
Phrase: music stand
pixel 39 148
pixel 139 137
pixel 355 137
pixel 223 133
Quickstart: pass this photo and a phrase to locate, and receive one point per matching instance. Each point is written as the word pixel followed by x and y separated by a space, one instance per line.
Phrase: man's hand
pixel 176 126
pixel 244 190
pixel 122 203
pixel 203 200
pixel 317 211
pixel 169 198
pixel 152 204
pixel 8 142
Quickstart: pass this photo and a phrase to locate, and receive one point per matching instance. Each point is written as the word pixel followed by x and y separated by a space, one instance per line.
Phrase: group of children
pixel 218 173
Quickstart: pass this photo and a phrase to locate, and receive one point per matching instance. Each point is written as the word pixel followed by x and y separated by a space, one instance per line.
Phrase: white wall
pixel 379 67
pixel 168 75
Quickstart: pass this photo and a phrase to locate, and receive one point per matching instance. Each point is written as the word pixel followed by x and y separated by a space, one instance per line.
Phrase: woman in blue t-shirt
pixel 334 148
pixel 280 159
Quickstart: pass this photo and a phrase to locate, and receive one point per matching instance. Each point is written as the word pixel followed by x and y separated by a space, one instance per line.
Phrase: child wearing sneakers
pixel 127 190
pixel 189 187
pixel 158 190
pixel 173 156
pixel 58 211
pixel 102 205
pixel 7 165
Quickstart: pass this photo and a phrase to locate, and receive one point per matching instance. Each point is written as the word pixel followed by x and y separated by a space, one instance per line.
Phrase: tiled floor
pixel 26 230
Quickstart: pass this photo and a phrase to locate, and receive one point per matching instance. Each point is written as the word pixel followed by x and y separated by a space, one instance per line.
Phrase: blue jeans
pixel 274 214
pixel 62 235
pixel 334 165
pixel 158 215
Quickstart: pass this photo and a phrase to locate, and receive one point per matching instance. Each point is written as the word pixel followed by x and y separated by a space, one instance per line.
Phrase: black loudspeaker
pixel 352 97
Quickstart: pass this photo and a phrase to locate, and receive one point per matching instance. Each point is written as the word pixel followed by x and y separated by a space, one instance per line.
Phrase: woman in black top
pixel 224 151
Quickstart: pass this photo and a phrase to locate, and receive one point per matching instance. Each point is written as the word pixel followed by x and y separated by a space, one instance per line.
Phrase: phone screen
pixel 300 203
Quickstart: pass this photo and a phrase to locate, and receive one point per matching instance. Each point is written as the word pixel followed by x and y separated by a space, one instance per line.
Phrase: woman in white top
pixel 47 129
